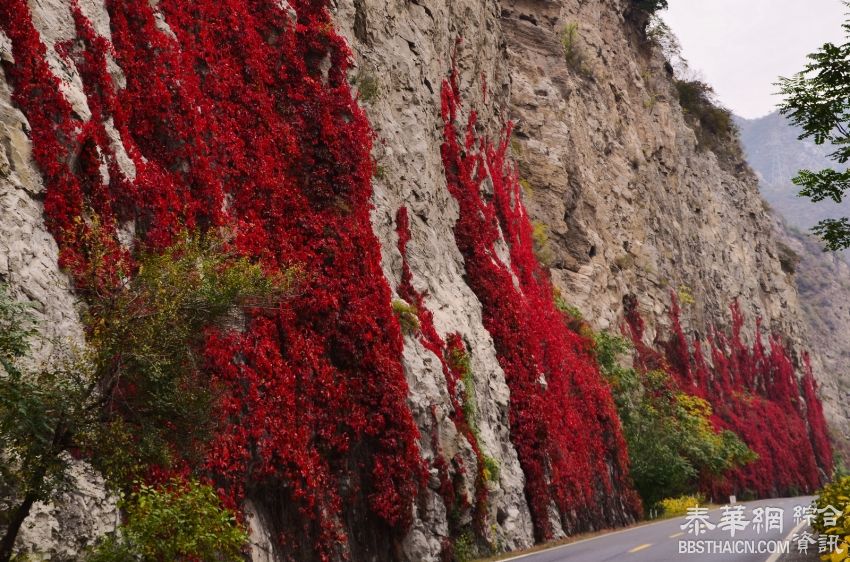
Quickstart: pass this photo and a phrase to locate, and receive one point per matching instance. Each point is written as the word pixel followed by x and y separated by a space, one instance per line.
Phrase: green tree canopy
pixel 136 392
pixel 817 99
pixel 671 440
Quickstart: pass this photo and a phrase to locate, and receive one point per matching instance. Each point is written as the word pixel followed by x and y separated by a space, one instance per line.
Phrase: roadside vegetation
pixel 833 516
pixel 130 398
pixel 673 444
pixel 817 99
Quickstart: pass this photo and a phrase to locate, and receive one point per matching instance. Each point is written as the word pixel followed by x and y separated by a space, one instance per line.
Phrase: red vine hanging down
pixel 239 115
pixel 450 355
pixel 562 417
pixel 755 392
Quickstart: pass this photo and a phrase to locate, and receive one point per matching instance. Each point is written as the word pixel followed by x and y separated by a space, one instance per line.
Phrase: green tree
pixel 817 99
pixel 651 6
pixel 672 442
pixel 176 521
pixel 136 392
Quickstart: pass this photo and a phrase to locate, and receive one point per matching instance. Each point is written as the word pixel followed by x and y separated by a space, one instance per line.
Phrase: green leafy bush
pixel 146 335
pixel 569 36
pixel 177 521
pixel 136 392
pixel 563 306
pixel 368 86
pixel 573 55
pixel 461 362
pixel 672 442
pixel 816 100
pixel 408 316
pixel 835 495
pixel 491 469
pixel 712 124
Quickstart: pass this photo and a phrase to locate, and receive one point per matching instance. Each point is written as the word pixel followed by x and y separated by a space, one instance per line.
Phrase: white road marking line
pixel 674 535
pixel 775 556
pixel 635 528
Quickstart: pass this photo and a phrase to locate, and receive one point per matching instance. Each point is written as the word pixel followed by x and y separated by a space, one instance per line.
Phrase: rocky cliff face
pixel 823 282
pixel 632 203
pixel 625 202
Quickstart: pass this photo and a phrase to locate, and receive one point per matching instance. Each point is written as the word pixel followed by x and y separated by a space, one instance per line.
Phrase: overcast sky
pixel 741 46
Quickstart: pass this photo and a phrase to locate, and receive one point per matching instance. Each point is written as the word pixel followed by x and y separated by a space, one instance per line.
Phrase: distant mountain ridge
pixel 776 154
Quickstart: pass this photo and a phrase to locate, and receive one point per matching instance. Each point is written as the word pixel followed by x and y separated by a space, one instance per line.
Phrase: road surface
pixel 660 541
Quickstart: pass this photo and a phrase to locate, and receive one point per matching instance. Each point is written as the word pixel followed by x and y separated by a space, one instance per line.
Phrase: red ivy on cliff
pixel 755 392
pixel 239 115
pixel 562 418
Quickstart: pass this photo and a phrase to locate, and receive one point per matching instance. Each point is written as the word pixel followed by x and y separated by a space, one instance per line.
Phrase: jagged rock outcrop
pixel 631 204
pixel 823 281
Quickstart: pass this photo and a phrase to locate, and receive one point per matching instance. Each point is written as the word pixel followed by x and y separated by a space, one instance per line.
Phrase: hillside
pixel 470 197
pixel 776 154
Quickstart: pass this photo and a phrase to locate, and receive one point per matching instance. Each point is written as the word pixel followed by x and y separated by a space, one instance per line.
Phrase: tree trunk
pixel 15 523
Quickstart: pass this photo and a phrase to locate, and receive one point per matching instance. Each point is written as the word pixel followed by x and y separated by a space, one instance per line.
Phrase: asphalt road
pixel 660 541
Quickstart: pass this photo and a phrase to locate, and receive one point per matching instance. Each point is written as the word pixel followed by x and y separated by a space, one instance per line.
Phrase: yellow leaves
pixel 840 554
pixel 680 505
pixel 487 475
pixel 685 295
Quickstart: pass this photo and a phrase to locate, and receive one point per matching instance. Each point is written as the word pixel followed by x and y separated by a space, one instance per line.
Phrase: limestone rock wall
pixel 631 204
pixel 28 264
pixel 404 50
pixel 823 280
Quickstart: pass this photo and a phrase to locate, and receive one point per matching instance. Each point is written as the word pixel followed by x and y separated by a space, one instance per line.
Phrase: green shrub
pixel 461 362
pixel 464 547
pixel 368 86
pixel 670 437
pixel 573 55
pixel 624 262
pixel 144 333
pixel 609 349
pixel 491 469
pixel 566 308
pixel 686 297
pixel 712 124
pixel 16 326
pixel 569 36
pixel 408 316
pixel 148 333
pixel 179 521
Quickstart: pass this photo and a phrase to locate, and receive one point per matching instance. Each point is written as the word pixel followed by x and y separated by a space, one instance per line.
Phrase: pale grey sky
pixel 741 46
